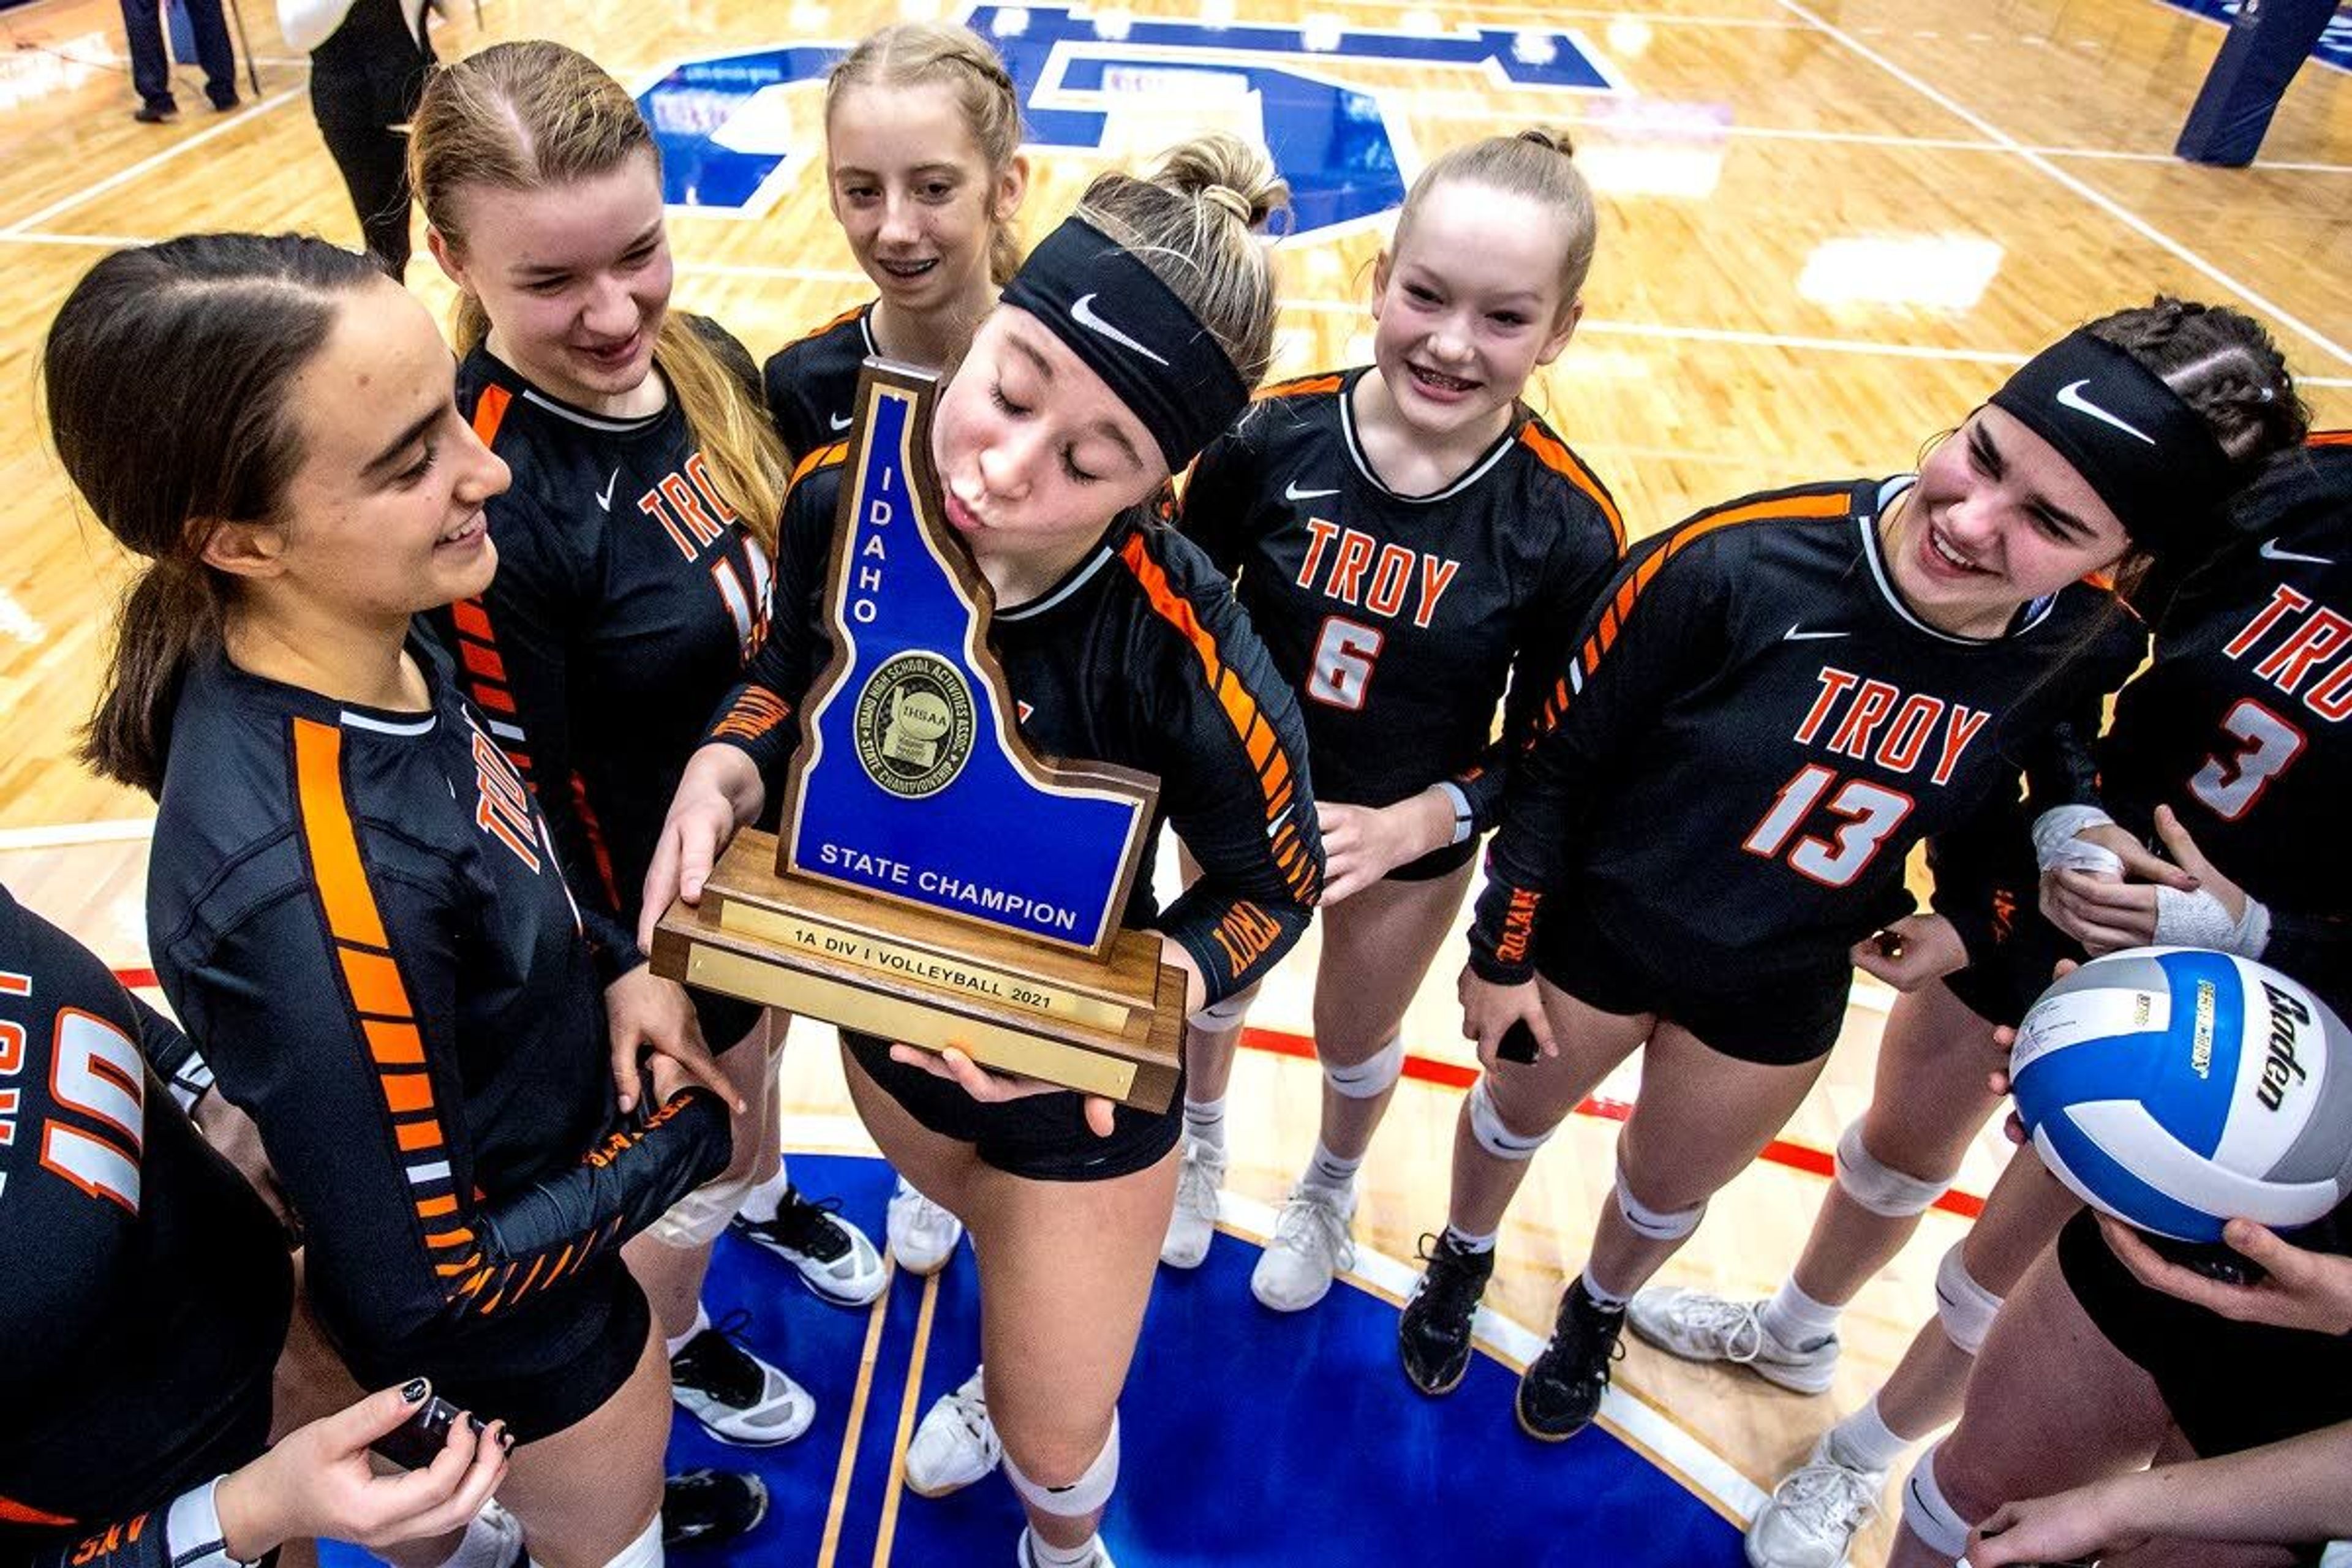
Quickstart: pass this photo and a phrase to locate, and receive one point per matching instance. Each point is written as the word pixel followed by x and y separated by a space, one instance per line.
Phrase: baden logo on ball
pixel 935 880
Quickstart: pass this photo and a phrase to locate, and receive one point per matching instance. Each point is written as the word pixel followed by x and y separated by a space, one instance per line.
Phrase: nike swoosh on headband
pixel 2071 395
pixel 1082 310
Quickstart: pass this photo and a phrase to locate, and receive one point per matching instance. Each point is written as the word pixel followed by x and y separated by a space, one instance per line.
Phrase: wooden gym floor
pixel 1830 227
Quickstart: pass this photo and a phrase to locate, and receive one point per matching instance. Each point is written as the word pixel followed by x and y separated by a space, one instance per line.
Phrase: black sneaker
pixel 711 1508
pixel 834 1258
pixel 155 111
pixel 1433 1333
pixel 1560 1391
pixel 740 1398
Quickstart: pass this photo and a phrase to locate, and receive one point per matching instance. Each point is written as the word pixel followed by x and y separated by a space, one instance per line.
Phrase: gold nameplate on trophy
pixel 935 880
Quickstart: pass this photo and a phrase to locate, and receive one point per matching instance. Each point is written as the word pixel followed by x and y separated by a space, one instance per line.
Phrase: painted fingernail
pixel 506 1438
pixel 414 1390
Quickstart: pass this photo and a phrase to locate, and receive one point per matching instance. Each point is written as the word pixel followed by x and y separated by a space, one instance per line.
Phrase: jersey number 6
pixel 1345 652
pixel 1870 812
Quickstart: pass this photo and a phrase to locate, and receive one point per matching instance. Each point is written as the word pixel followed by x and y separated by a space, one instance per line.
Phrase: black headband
pixel 1131 330
pixel 2151 458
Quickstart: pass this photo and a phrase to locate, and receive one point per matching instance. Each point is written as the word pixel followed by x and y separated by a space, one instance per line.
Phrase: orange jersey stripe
pixel 395 1045
pixel 1556 457
pixel 2331 438
pixel 1304 386
pixel 491 413
pixel 327 825
pixel 375 984
pixel 843 320
pixel 837 453
pixel 14 1512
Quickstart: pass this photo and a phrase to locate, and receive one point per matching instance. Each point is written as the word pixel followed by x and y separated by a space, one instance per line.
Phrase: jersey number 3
pixel 2266 744
pixel 1345 652
pixel 1870 812
pixel 96 1072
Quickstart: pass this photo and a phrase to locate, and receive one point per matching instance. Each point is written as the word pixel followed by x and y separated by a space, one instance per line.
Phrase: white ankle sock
pixel 760 1203
pixel 1044 1554
pixel 1331 1172
pixel 1205 1121
pixel 701 1321
pixel 1599 1295
pixel 1796 1319
pixel 1864 1441
pixel 1465 1242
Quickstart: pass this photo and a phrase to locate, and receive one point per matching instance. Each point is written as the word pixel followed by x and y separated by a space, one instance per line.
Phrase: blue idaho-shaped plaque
pixel 911 783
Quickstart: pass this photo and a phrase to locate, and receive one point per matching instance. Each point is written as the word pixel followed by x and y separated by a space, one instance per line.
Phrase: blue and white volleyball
pixel 2177 1088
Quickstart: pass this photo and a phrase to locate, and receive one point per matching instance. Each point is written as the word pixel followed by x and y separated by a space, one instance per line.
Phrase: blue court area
pixel 1248 1437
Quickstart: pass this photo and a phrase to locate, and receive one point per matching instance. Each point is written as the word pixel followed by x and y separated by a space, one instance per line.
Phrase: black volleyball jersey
pixel 143 1287
pixel 1139 657
pixel 1401 618
pixel 2238 723
pixel 1753 732
pixel 626 600
pixel 357 917
pixel 812 383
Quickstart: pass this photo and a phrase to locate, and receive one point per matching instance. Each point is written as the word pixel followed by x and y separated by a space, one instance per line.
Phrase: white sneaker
pixel 833 1256
pixel 740 1398
pixel 1199 1175
pixel 1025 1556
pixel 955 1444
pixel 1310 1246
pixel 1696 1326
pixel 922 1236
pixel 1815 1512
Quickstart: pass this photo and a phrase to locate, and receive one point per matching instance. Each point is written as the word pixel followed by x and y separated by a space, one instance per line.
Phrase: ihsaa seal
pixel 914 725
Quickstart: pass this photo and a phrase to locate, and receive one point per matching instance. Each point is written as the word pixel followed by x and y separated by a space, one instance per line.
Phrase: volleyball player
pixel 2227 756
pixel 633 550
pixel 1801 685
pixel 1129 338
pixel 147 1295
pixel 1407 538
pixel 924 172
pixel 352 901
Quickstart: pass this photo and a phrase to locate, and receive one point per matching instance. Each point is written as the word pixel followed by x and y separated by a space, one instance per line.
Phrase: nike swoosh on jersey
pixel 2270 552
pixel 605 497
pixel 1082 310
pixel 1292 493
pixel 1796 633
pixel 839 421
pixel 2071 395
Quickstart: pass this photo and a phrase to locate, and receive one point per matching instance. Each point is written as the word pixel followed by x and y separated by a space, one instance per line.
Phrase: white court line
pixel 72 832
pixel 152 161
pixel 2112 208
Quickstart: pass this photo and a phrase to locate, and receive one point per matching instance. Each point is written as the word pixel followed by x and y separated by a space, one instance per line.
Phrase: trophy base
pixel 1113 1027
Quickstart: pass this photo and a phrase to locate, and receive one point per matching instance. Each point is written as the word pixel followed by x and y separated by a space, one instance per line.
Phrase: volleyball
pixel 2177 1088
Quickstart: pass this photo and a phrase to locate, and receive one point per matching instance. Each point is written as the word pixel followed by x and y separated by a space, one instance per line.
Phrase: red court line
pixel 1454 1075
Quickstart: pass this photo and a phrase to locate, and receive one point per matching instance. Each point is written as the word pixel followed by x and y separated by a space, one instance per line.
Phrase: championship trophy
pixel 934 881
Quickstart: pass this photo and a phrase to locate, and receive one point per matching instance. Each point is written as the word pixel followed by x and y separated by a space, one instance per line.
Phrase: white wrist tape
pixel 2199 919
pixel 2057 849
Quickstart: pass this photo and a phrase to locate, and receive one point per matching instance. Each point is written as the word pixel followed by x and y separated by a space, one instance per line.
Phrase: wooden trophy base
pixel 1112 1027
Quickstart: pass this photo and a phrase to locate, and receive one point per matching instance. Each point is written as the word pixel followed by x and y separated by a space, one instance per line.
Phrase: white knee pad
pixel 1882 1189
pixel 1486 1126
pixel 1965 1308
pixel 1218 1017
pixel 1928 1514
pixel 1080 1498
pixel 699 1216
pixel 1656 1224
pixel 1373 1077
pixel 645 1552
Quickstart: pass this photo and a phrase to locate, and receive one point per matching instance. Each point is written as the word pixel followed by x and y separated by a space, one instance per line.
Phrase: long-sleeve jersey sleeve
pixel 337 1036
pixel 1655 630
pixel 757 714
pixel 185 1533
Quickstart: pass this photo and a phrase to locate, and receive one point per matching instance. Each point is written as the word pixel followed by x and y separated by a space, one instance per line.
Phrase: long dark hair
pixel 166 375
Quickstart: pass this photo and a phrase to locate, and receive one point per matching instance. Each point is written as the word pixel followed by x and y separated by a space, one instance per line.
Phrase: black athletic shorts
pixel 1044 1137
pixel 2005 984
pixel 725 1020
pixel 541 1366
pixel 1781 1020
pixel 2229 1385
pixel 1440 862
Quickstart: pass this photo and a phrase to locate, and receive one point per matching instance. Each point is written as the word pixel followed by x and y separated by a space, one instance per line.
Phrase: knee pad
pixel 1882 1189
pixel 1965 1308
pixel 1654 1225
pixel 1487 1127
pixel 1928 1514
pixel 1373 1077
pixel 645 1552
pixel 1218 1017
pixel 1082 1497
pixel 700 1216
